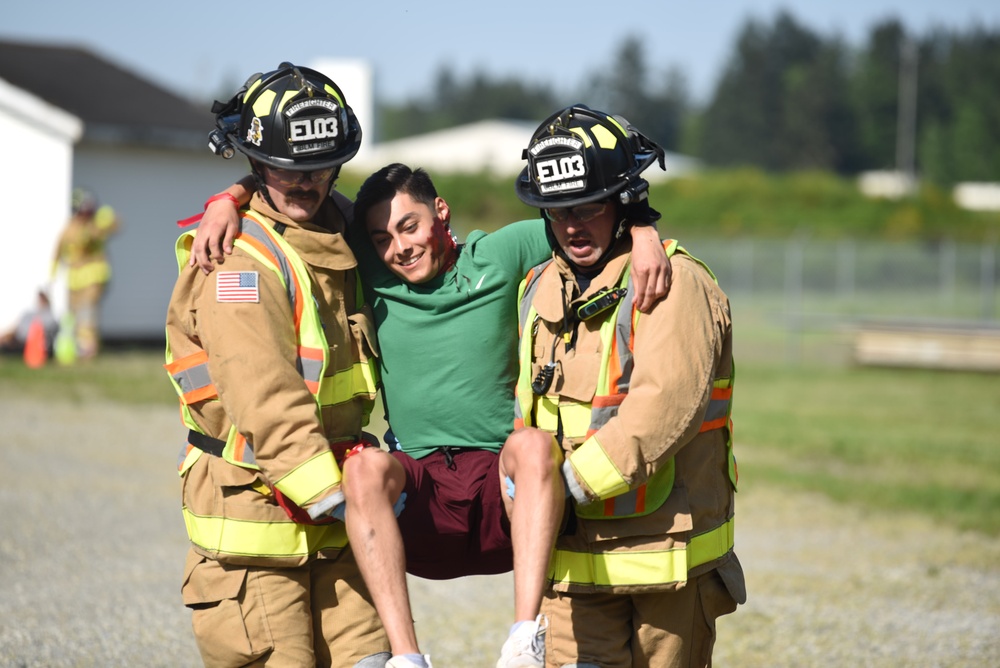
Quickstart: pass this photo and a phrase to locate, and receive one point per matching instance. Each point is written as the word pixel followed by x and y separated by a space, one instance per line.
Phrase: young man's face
pixel 296 194
pixel 583 232
pixel 412 238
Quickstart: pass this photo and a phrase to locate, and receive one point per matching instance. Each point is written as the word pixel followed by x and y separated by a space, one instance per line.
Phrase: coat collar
pixel 319 242
pixel 558 282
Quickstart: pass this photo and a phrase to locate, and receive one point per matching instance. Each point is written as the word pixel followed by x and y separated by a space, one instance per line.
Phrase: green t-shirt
pixel 449 346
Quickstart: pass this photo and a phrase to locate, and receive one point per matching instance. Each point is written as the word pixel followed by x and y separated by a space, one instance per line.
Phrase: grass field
pixel 906 440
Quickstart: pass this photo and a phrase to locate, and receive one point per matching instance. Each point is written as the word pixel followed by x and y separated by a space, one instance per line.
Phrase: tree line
pixel 788 98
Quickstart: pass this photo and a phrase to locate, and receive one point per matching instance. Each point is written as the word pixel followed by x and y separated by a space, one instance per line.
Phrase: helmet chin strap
pixel 617 233
pixel 258 178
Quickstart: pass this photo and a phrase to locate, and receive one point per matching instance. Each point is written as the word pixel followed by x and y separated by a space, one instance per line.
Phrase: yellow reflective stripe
pixel 104 217
pixel 595 468
pixel 576 419
pixel 605 138
pixel 346 384
pixel 287 97
pixel 189 459
pixel 711 544
pixel 262 105
pixel 641 567
pixel 333 93
pixel 309 478
pixel 262 539
pixel 88 274
pixel 619 568
pixel 547 414
pixel 523 394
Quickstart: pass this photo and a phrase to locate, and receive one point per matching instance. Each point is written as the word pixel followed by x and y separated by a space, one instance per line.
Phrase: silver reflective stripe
pixel 717 408
pixel 248 457
pixel 193 378
pixel 600 416
pixel 256 232
pixel 529 294
pixel 625 504
pixel 310 369
pixel 623 330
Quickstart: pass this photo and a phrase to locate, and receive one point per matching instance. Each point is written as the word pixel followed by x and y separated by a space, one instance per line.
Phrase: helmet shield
pixel 291 118
pixel 558 165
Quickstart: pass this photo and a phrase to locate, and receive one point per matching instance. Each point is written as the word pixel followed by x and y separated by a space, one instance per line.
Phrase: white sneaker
pixel 525 647
pixel 402 662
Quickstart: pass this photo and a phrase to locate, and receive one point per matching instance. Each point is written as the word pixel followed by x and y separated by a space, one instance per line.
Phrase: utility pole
pixel 906 121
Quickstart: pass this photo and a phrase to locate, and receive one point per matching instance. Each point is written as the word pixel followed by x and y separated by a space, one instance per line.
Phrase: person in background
pixel 14 339
pixel 273 361
pixel 81 249
pixel 639 404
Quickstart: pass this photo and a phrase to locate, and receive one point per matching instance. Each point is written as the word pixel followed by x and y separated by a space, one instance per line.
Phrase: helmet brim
pixel 299 164
pixel 529 196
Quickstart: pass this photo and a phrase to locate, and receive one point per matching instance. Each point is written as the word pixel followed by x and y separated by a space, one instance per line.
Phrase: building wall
pixel 354 76
pixel 150 189
pixel 36 176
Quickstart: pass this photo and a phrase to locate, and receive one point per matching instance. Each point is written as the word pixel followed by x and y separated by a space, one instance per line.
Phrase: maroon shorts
pixel 454 523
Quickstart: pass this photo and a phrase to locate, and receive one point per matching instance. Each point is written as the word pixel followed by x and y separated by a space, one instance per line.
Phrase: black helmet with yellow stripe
pixel 581 155
pixel 291 118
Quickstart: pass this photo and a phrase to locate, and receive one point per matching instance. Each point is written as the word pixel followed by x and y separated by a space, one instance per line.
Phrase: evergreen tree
pixel 780 103
pixel 654 102
pixel 875 87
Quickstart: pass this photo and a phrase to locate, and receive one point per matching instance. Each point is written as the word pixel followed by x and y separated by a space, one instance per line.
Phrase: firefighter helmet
pixel 581 155
pixel 291 118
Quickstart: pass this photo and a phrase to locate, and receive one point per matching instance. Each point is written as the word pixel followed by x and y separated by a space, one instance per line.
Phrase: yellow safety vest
pixel 581 420
pixel 92 273
pixel 192 382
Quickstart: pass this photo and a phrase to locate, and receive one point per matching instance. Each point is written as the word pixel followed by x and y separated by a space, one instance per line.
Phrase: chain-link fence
pixel 801 298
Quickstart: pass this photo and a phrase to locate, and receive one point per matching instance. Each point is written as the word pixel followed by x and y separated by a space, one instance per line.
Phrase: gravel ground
pixel 92 545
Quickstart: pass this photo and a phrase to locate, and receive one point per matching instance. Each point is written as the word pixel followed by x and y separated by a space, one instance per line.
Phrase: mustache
pixel 303 194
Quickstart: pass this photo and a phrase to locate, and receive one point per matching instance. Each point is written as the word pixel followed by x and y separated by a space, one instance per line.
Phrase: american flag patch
pixel 236 286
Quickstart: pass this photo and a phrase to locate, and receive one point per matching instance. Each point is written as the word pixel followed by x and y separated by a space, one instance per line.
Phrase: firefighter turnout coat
pixel 272 355
pixel 641 406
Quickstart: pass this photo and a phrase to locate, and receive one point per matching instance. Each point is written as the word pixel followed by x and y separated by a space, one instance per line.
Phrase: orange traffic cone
pixel 35 352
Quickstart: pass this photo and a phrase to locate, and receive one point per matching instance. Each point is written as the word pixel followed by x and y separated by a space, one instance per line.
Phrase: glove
pixel 573 487
pixel 339 511
pixel 328 506
pixel 510 487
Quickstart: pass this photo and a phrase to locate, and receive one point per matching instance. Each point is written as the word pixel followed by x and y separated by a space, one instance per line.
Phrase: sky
pixel 198 48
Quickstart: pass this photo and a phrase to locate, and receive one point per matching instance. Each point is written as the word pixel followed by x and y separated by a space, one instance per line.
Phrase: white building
pixel 38 173
pixel 491 146
pixel 72 119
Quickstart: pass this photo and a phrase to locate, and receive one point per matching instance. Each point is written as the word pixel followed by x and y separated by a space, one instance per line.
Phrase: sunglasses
pixel 583 213
pixel 292 177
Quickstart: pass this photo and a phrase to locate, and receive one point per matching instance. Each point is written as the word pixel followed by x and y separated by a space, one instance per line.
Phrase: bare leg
pixel 373 481
pixel 531 458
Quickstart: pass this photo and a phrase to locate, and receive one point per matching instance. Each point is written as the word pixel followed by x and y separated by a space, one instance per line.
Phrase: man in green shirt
pixel 447 327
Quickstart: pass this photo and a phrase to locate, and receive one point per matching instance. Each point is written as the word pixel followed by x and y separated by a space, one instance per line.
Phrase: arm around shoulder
pixel 220 224
pixel 651 269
